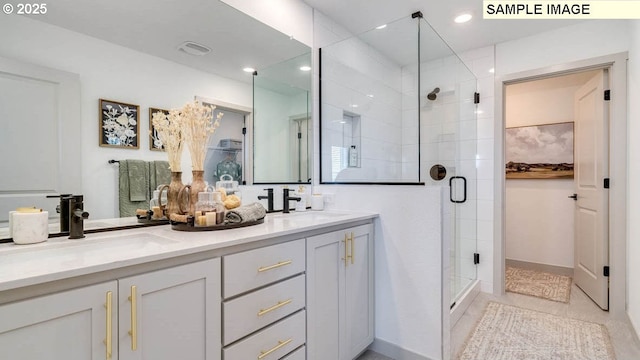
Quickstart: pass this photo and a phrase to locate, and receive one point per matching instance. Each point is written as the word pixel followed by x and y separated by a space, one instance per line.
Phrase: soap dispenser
pixel 353 156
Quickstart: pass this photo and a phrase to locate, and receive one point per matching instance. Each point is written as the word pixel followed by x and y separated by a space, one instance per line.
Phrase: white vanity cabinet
pixel 340 286
pixel 263 310
pixel 70 325
pixel 171 314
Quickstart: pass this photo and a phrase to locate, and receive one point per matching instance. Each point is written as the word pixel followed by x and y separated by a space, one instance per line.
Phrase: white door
pixel 171 314
pixel 40 136
pixel 592 203
pixel 70 325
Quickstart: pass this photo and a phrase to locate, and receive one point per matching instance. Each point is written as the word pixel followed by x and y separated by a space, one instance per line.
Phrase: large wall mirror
pixel 55 67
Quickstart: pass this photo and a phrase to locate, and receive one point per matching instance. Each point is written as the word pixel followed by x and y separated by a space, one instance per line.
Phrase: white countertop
pixel 61 258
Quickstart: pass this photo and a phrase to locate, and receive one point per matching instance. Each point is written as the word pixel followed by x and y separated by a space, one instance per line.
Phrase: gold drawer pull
pixel 275 266
pixel 108 339
pixel 353 254
pixel 134 318
pixel 274 307
pixel 263 354
pixel 346 252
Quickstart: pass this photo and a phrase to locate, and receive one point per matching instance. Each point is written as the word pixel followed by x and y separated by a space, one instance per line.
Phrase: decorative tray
pixel 148 220
pixel 180 226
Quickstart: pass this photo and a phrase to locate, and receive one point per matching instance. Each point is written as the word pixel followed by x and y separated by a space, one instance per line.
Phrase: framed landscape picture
pixel 154 140
pixel 118 124
pixel 539 151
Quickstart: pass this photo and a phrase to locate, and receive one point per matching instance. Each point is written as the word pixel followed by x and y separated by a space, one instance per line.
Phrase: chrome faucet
pixel 76 217
pixel 269 199
pixel 285 200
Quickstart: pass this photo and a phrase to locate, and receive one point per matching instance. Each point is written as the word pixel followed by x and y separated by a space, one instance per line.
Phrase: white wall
pixel 633 249
pixel 117 73
pixel 291 17
pixel 539 216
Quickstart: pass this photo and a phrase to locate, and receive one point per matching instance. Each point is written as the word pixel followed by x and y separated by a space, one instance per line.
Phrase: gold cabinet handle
pixel 346 253
pixel 108 340
pixel 274 266
pixel 263 354
pixel 274 307
pixel 134 318
pixel 352 256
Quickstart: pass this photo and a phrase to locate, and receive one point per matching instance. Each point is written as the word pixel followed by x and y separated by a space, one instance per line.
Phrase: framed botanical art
pixel 154 140
pixel 539 151
pixel 118 124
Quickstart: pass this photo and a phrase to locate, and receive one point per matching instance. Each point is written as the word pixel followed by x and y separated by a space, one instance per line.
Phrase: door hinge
pixel 244 131
pixel 607 95
pixel 476 258
pixel 606 183
pixel 605 271
pixel 476 98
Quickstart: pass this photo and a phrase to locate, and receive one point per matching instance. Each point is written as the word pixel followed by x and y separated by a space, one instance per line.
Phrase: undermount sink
pixel 79 250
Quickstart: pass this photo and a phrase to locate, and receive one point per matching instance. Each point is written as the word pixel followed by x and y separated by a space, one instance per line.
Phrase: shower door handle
pixel 464 194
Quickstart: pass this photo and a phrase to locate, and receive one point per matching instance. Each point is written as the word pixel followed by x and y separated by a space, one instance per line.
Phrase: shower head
pixel 432 95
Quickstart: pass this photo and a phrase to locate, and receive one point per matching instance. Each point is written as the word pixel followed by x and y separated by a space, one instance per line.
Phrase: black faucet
pixel 285 200
pixel 269 199
pixel 63 209
pixel 76 217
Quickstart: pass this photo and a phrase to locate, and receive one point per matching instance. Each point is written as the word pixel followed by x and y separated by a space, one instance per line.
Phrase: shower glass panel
pixel 369 107
pixel 449 138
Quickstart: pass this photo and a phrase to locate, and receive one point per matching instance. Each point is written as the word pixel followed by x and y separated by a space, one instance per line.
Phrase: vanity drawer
pixel 258 309
pixel 299 354
pixel 251 269
pixel 271 343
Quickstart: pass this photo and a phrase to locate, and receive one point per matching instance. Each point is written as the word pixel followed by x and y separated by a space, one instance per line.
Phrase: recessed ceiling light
pixel 249 69
pixel 370 95
pixel 381 27
pixel 305 68
pixel 492 70
pixel 354 105
pixel 462 18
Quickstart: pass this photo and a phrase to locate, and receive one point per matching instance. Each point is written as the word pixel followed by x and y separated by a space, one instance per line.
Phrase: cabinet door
pixel 175 313
pixel 70 325
pixel 325 296
pixel 359 291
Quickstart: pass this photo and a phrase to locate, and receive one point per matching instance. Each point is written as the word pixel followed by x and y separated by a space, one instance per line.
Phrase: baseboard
pixel 394 351
pixel 559 270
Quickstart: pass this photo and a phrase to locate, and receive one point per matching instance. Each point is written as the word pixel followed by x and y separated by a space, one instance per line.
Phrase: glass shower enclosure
pixel 397 105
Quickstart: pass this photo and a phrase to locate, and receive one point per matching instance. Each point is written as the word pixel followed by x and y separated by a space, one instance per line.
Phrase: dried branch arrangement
pixel 197 125
pixel 169 128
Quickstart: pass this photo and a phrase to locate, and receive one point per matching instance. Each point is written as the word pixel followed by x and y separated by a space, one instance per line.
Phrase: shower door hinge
pixel 476 258
pixel 607 95
pixel 476 98
pixel 417 14
pixel 606 183
pixel 605 271
pixel 244 131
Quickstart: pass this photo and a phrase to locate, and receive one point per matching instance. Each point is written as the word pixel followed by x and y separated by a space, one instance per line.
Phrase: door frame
pixel 618 124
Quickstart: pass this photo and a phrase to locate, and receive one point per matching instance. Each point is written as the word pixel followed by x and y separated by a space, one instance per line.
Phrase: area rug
pixel 511 333
pixel 537 283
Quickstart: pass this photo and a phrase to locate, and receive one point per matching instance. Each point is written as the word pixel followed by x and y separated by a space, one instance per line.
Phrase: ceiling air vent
pixel 193 48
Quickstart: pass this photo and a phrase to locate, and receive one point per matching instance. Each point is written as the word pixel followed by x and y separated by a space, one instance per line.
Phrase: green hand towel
pixel 163 173
pixel 138 180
